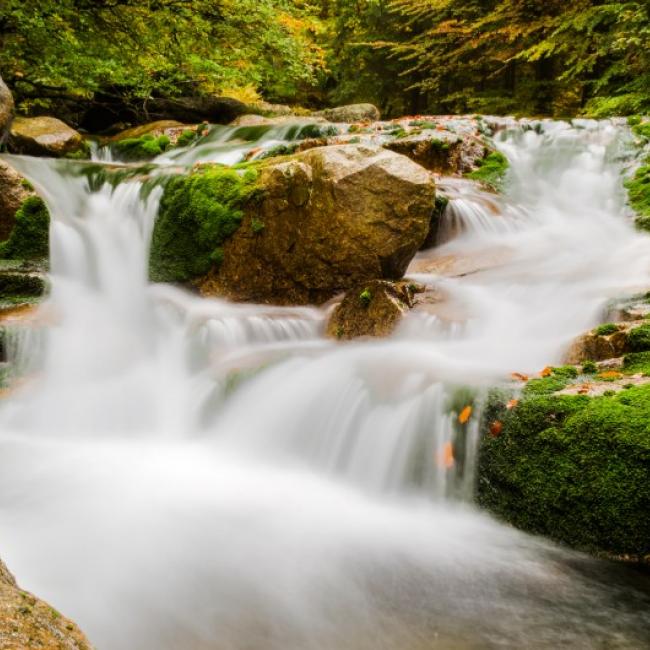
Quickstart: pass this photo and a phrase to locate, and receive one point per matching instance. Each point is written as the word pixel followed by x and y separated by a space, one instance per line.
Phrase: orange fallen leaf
pixel 511 404
pixel 584 389
pixel 496 428
pixel 609 374
pixel 547 372
pixel 445 456
pixel 519 376
pixel 465 415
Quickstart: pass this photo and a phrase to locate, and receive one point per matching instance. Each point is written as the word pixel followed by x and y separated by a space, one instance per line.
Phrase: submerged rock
pixel 45 136
pixel 6 110
pixel 325 220
pixel 27 622
pixel 372 308
pixel 351 113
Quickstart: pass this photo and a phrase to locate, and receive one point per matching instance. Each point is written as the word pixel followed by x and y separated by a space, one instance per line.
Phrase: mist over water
pixel 181 473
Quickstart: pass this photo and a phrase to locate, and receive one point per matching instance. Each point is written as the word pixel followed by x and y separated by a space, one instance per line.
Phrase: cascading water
pixel 178 473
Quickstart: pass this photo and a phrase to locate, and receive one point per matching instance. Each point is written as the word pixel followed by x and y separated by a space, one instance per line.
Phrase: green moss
pixel 30 237
pixel 606 329
pixel 492 171
pixel 186 138
pixel 83 153
pixel 638 189
pixel 633 120
pixel 424 124
pixel 20 285
pixel 365 298
pixel 198 213
pixel 638 339
pixel 637 362
pixel 559 379
pixel 279 150
pixel 142 148
pixel 318 131
pixel 589 368
pixel 257 225
pixel 574 468
pixel 642 130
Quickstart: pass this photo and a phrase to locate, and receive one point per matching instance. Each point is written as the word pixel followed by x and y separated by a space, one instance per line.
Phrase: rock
pixel 327 219
pixel 372 308
pixel 351 113
pixel 192 110
pixel 14 189
pixel 267 109
pixel 571 467
pixel 160 127
pixel 6 110
pixel 27 622
pixel 441 151
pixel 44 136
pixel 594 346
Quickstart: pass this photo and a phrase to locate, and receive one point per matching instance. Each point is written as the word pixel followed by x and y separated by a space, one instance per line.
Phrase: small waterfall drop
pixel 179 473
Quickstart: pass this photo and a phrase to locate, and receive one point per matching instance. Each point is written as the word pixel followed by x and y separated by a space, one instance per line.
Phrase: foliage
pixel 29 238
pixel 574 468
pixel 638 339
pixel 54 49
pixel 198 213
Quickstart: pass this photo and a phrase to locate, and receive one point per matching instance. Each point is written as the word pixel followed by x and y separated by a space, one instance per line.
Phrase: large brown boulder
pixel 14 189
pixel 27 622
pixel 599 344
pixel 192 110
pixel 44 136
pixel 6 109
pixel 327 219
pixel 351 113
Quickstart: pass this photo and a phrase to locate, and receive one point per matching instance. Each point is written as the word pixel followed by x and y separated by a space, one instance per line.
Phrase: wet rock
pixel 193 110
pixel 599 344
pixel 267 109
pixel 44 136
pixel 351 113
pixel 6 110
pixel 327 219
pixel 440 151
pixel 14 189
pixel 160 127
pixel 27 622
pixel 372 308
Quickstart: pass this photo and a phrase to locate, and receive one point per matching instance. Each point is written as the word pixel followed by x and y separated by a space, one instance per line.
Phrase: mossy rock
pixel 574 468
pixel 198 213
pixel 29 239
pixel 491 171
pixel 145 147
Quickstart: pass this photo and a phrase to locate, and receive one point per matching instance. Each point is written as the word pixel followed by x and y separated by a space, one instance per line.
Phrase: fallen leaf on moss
pixel 511 404
pixel 496 428
pixel 519 376
pixel 547 372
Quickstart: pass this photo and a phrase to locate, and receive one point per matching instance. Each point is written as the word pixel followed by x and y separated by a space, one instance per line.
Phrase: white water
pixel 180 473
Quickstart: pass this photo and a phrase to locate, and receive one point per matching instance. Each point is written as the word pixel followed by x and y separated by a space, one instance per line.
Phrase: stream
pixel 179 473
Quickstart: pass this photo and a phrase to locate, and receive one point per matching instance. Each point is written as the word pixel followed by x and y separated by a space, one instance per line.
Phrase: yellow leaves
pixel 465 415
pixel 445 456
pixel 609 375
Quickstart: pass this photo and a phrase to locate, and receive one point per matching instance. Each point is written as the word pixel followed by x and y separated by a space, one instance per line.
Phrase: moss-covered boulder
pixel 491 171
pixel 571 467
pixel 27 622
pixel 46 136
pixel 198 213
pixel 326 220
pixel 372 308
pixel 609 341
pixel 6 109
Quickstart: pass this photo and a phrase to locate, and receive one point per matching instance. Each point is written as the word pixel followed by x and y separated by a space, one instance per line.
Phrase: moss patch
pixel 29 238
pixel 573 468
pixel 638 339
pixel 606 329
pixel 492 171
pixel 142 148
pixel 638 189
pixel 197 214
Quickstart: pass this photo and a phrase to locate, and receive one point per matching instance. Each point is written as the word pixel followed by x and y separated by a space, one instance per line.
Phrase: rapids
pixel 187 474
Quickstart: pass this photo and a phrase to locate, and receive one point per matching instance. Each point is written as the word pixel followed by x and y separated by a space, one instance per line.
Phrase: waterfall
pixel 178 472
